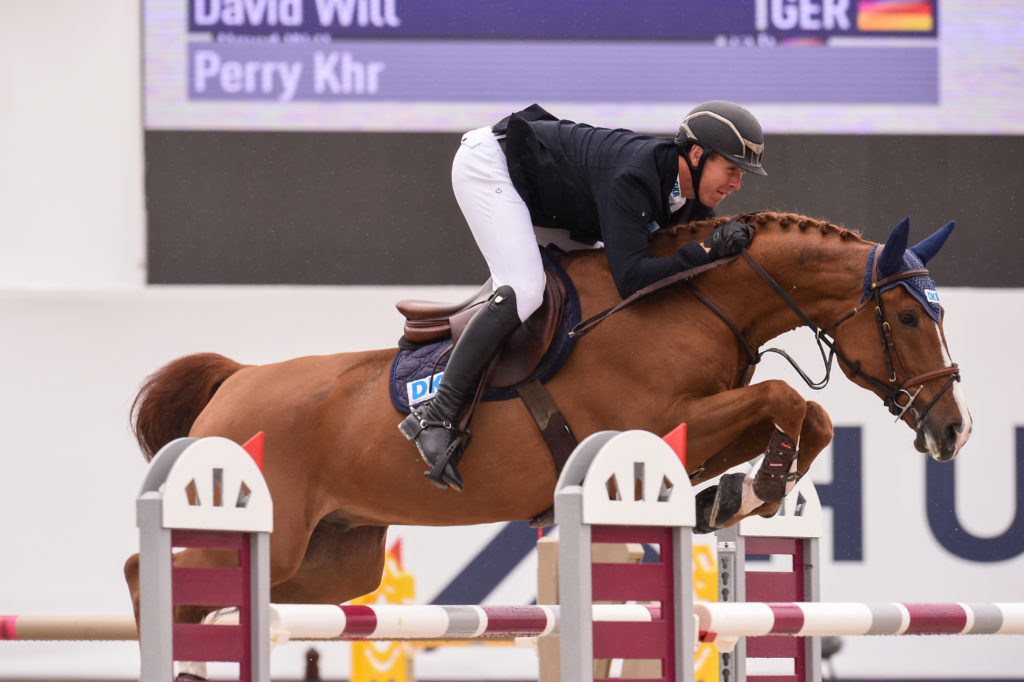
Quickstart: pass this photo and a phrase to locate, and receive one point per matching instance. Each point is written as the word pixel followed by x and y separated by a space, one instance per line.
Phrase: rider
pixel 592 185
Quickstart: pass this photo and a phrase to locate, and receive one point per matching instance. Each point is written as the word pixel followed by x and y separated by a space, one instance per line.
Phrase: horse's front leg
pixel 732 427
pixel 815 435
pixel 736 426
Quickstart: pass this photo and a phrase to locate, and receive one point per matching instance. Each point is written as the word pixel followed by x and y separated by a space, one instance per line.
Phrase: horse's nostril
pixel 953 430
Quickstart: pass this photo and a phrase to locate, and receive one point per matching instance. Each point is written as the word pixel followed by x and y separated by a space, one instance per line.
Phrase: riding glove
pixel 728 240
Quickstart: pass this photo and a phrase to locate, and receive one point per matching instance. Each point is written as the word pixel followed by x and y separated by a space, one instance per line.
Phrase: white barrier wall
pixel 71 363
pixel 71 166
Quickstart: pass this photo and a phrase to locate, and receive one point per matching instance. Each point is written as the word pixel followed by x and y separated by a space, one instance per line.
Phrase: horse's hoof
pixel 728 500
pixel 705 501
pixel 544 519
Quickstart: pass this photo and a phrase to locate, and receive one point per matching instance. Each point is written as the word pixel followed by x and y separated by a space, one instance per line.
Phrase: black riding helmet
pixel 722 127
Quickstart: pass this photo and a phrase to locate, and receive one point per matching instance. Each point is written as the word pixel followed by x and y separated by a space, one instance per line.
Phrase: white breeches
pixel 500 220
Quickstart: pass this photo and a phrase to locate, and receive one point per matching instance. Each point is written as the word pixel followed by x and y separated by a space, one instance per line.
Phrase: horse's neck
pixel 823 275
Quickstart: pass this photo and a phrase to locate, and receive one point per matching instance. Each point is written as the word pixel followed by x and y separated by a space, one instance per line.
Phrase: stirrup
pixel 775 472
pixel 443 473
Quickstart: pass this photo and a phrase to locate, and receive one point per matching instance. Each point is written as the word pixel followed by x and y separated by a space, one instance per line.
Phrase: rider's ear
pixel 696 151
pixel 930 245
pixel 891 260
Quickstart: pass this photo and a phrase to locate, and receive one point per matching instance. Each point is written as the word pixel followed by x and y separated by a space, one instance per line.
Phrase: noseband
pixel 898 396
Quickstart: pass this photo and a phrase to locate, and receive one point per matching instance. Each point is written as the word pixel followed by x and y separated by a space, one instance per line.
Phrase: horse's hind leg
pixel 187 557
pixel 287 545
pixel 339 564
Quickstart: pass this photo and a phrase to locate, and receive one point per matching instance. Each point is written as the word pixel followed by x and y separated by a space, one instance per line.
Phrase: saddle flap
pixel 524 350
pixel 536 351
pixel 428 322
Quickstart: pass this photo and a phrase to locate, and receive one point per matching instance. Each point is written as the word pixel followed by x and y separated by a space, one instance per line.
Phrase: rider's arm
pixel 625 220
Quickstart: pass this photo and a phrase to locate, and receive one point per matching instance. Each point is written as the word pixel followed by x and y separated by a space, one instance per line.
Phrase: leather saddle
pixel 428 321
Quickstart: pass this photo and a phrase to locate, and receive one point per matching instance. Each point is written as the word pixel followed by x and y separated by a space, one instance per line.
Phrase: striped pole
pixel 718 621
pixel 722 622
pixel 345 621
pixel 431 622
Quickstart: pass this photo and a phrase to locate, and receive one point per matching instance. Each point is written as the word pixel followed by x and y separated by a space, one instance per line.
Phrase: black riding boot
pixel 434 425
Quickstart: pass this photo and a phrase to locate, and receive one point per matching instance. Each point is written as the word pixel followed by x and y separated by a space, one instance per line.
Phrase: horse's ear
pixel 929 246
pixel 891 261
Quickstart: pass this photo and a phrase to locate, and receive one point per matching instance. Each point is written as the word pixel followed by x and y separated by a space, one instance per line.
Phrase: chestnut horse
pixel 340 472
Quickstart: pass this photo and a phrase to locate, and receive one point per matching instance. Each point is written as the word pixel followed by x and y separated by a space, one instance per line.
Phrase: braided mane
pixel 759 220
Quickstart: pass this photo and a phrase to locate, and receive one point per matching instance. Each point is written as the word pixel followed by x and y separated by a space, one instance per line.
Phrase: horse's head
pixel 897 346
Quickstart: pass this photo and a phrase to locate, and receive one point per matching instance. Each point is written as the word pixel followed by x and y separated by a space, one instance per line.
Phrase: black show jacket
pixel 601 185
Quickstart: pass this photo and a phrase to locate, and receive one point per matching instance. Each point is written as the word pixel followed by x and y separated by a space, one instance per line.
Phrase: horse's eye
pixel 908 319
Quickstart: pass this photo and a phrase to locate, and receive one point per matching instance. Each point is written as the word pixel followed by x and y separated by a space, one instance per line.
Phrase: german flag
pixel 895 15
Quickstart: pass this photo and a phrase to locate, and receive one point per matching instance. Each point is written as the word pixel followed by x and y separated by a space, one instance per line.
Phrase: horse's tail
pixel 171 398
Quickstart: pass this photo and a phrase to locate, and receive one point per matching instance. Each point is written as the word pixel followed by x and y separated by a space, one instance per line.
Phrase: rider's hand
pixel 728 240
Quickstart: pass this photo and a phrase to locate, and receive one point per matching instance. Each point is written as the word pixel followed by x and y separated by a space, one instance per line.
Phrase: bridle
pixel 898 396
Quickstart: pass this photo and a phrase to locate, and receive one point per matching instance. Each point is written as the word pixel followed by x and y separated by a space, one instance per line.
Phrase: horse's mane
pixel 664 242
pixel 759 220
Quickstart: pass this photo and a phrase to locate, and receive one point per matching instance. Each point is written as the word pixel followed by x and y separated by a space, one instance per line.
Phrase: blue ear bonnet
pixel 921 287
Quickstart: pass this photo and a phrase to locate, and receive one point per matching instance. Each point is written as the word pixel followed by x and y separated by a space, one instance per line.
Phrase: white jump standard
pixel 209 493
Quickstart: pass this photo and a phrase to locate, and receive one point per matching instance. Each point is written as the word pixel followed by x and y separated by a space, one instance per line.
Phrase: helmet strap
pixel 698 170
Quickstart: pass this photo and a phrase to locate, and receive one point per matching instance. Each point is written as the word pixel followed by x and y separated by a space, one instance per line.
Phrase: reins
pixel 892 390
pixel 586 325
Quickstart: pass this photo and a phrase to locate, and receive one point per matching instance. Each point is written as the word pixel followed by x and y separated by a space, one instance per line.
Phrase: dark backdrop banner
pixel 377 208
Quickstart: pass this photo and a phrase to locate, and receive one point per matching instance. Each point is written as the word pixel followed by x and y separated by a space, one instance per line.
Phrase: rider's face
pixel 718 179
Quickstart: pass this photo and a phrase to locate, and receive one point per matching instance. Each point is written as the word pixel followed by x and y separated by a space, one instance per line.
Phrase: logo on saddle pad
pixel 421 390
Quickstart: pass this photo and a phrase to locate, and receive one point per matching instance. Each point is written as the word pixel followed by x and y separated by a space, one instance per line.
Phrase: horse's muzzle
pixel 942 440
